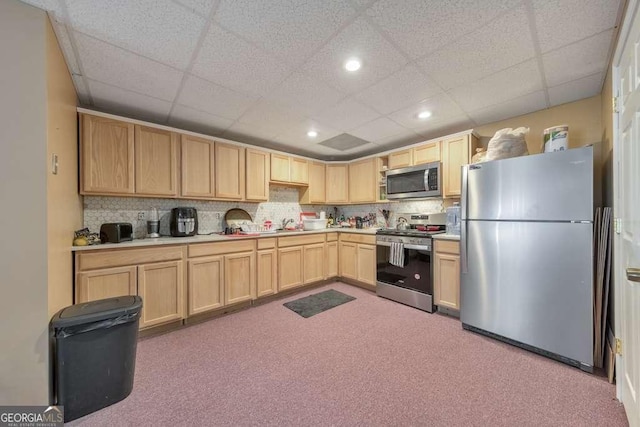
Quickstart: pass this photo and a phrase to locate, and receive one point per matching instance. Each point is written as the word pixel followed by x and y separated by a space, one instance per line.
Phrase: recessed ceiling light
pixel 424 115
pixel 312 134
pixel 352 65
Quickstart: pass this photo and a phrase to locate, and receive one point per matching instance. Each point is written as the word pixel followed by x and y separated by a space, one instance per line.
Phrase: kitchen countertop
pixel 205 238
pixel 446 237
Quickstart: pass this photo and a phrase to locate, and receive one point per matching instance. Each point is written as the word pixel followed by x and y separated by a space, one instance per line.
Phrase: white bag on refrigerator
pixel 507 143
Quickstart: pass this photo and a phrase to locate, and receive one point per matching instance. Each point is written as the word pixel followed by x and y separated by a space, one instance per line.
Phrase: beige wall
pixel 607 139
pixel 64 205
pixel 23 259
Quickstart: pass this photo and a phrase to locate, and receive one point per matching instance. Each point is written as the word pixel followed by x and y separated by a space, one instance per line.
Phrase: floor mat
pixel 317 303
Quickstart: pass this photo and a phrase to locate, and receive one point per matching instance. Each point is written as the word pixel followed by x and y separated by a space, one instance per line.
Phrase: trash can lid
pixel 95 311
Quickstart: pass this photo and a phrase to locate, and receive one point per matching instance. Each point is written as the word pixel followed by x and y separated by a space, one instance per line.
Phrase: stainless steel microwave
pixel 414 182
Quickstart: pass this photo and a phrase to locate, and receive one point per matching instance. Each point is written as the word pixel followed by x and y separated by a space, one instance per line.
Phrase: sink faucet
pixel 286 222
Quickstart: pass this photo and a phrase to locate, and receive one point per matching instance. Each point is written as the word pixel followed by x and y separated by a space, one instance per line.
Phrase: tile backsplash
pixel 283 204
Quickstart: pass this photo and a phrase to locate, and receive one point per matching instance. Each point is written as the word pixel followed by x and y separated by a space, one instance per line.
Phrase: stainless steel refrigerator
pixel 526 252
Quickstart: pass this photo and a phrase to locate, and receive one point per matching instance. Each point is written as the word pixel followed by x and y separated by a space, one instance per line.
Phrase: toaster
pixel 184 222
pixel 116 232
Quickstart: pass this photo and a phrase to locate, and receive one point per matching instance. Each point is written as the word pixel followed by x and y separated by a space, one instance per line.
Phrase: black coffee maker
pixel 184 222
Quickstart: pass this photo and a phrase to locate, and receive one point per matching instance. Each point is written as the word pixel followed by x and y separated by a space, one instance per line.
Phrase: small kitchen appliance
pixel 116 232
pixel 184 222
pixel 153 225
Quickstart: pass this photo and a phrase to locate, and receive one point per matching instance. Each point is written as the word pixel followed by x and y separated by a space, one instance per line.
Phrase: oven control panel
pixel 423 242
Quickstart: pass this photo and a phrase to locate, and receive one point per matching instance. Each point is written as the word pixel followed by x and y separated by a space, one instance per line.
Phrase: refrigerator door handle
pixel 463 193
pixel 463 248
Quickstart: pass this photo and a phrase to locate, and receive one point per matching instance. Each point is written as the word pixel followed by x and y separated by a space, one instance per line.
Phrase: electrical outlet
pixel 218 215
pixel 141 215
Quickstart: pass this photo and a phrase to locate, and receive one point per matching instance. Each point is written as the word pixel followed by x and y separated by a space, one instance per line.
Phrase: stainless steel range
pixel 404 270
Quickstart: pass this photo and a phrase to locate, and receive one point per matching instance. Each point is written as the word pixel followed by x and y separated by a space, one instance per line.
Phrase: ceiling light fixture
pixel 352 65
pixel 424 115
pixel 312 134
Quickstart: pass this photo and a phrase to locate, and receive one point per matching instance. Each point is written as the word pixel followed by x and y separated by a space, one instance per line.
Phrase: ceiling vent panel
pixel 344 142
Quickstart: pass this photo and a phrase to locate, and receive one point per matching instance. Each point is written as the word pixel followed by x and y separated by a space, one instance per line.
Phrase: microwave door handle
pixel 426 179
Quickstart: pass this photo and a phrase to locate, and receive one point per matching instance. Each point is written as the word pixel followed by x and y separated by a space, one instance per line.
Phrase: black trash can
pixel 94 353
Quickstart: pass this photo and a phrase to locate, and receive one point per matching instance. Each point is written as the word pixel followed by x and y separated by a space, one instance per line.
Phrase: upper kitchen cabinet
pixel 229 171
pixel 337 189
pixel 198 180
pixel 363 181
pixel 400 159
pixel 156 162
pixel 456 152
pixel 315 192
pixel 258 173
pixel 291 170
pixel 427 153
pixel 107 156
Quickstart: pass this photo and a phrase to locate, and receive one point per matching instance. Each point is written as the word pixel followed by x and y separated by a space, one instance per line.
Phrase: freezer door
pixel 530 282
pixel 543 187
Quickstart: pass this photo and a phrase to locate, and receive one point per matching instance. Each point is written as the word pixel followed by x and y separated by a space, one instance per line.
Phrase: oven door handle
pixel 413 247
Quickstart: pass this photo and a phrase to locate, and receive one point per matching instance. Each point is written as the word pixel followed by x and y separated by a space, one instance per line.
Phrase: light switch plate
pixel 54 164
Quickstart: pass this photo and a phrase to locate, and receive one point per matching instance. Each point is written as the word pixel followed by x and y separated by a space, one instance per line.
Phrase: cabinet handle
pixel 633 274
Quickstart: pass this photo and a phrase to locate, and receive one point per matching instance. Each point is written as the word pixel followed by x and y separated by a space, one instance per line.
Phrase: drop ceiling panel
pixel 82 90
pixel 420 27
pixel 305 93
pixel 113 99
pixel 201 7
pixel 499 87
pixel 290 29
pixel 482 52
pixel 562 22
pixel 441 107
pixel 249 132
pixel 576 89
pixel 577 60
pixel 296 134
pixel 118 67
pixel 399 90
pixel 273 120
pixel 64 41
pixel 198 121
pixel 229 61
pixel 346 115
pixel 359 40
pixel 214 99
pixel 515 107
pixel 445 126
pixel 158 29
pixel 379 129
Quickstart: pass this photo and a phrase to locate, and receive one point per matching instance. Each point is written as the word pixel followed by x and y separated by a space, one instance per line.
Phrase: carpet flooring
pixel 371 362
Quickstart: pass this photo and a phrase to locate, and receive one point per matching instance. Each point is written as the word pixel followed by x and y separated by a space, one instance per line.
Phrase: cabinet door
pixel 332 259
pixel 427 153
pixel 229 170
pixel 206 284
pixel 290 267
pixel 197 167
pixel 161 287
pixel 455 155
pixel 105 283
pixel 349 260
pixel 337 189
pixel 313 264
pixel 367 264
pixel 107 153
pixel 363 185
pixel 267 273
pixel 258 166
pixel 317 182
pixel 299 170
pixel 239 277
pixel 446 277
pixel 400 159
pixel 156 153
pixel 280 168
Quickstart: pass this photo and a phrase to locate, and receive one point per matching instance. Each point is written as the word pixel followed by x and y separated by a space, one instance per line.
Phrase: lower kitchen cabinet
pixel 106 283
pixel 206 284
pixel 358 257
pixel 290 274
pixel 239 277
pixel 267 277
pixel 446 274
pixel 349 260
pixel 367 264
pixel 313 263
pixel 161 287
pixel 332 259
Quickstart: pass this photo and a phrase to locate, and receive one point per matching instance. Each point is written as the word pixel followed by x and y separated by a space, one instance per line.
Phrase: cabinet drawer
pixel 267 243
pixel 119 257
pixel 447 246
pixel 205 249
pixel 284 242
pixel 332 237
pixel 358 238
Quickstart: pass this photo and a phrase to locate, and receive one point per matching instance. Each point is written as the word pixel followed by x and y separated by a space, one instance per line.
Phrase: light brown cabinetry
pixel 337 188
pixel 400 159
pixel 258 173
pixel 332 269
pixel 239 277
pixel 446 274
pixel 300 260
pixel 280 168
pixel 427 153
pixel 299 170
pixel 156 162
pixel 229 171
pixel 107 156
pixel 286 169
pixel 161 287
pixel 315 192
pixel 358 257
pixel 290 273
pixel 106 283
pixel 267 265
pixel 198 180
pixel 456 152
pixel 206 284
pixel 363 181
pixel 367 264
pixel 349 260
pixel 313 263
